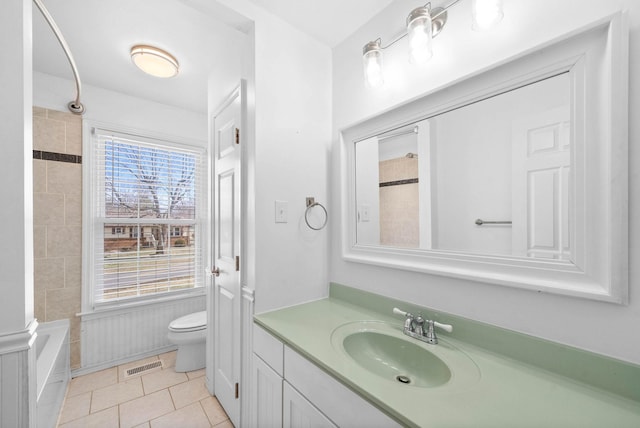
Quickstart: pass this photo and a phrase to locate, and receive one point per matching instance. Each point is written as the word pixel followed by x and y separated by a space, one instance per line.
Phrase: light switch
pixel 363 212
pixel 282 208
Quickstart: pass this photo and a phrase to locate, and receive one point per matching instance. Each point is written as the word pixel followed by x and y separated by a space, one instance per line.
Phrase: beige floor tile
pixel 162 379
pixel 75 407
pixel 144 425
pixel 122 369
pixel 122 392
pixel 189 392
pixel 168 359
pixel 214 410
pixel 191 416
pixel 146 408
pixel 104 419
pixel 196 373
pixel 225 424
pixel 92 381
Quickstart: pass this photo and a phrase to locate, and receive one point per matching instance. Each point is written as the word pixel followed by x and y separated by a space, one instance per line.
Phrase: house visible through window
pixel 147 201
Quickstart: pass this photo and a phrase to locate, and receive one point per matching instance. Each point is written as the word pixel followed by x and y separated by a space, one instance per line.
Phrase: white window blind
pixel 147 203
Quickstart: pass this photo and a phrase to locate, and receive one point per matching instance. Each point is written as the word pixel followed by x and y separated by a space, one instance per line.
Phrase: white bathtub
pixel 52 370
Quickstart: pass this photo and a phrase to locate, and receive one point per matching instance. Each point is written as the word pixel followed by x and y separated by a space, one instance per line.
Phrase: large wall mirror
pixel 497 185
pixel 516 176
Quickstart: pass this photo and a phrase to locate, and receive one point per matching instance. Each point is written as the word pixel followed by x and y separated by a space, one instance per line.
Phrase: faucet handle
pixel 446 327
pixel 401 312
pixel 408 320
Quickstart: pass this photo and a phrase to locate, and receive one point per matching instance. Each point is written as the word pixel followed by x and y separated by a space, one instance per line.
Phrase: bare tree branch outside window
pixel 147 182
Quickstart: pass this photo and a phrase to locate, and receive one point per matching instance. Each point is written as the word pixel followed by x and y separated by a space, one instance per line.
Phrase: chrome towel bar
pixel 480 222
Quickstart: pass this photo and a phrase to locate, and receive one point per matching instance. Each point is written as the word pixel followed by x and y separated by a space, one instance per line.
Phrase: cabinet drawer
pixel 343 406
pixel 270 349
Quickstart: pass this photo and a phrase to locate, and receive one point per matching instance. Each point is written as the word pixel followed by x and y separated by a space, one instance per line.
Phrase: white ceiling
pixel 100 34
pixel 328 21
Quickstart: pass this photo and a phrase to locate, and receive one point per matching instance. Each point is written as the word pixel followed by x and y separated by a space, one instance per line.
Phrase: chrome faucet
pixel 414 326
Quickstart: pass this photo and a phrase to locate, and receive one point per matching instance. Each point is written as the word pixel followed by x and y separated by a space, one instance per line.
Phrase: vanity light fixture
pixel 372 60
pixel 154 61
pixel 423 24
pixel 420 35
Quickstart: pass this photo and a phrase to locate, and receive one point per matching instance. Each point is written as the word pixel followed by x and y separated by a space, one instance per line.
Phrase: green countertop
pixel 508 392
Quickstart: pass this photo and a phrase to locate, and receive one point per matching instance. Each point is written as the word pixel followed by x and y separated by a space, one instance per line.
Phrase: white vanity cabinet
pixel 298 412
pixel 291 391
pixel 267 395
pixel 268 372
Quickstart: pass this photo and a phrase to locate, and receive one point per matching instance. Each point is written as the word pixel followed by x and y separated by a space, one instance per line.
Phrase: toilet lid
pixel 194 321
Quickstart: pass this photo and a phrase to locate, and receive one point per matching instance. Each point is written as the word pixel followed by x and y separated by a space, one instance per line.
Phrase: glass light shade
pixel 486 14
pixel 372 62
pixel 419 32
pixel 154 61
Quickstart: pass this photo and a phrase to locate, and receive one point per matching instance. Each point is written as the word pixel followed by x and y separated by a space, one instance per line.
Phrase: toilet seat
pixel 192 322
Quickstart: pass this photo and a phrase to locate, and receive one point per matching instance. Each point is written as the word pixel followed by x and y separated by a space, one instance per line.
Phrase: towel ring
pixel 306 213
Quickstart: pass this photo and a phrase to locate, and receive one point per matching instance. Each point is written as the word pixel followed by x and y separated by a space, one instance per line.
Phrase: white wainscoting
pixel 18 378
pixel 247 353
pixel 117 336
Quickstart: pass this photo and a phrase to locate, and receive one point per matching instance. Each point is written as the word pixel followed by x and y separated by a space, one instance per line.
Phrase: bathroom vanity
pixel 332 362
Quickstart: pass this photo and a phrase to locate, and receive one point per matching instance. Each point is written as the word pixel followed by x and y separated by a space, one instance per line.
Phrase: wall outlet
pixel 282 211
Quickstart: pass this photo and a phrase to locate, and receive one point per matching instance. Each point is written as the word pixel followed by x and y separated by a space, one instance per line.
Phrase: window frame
pixel 93 229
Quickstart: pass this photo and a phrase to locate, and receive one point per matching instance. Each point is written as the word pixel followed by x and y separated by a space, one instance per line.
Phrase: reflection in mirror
pixel 490 177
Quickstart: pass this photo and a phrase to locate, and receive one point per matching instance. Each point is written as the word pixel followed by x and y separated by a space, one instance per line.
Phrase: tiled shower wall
pixel 399 202
pixel 57 219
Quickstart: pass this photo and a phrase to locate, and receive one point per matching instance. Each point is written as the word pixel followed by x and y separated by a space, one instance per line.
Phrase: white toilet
pixel 189 333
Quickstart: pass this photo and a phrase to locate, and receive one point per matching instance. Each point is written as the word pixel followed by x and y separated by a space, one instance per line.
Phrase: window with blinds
pixel 147 203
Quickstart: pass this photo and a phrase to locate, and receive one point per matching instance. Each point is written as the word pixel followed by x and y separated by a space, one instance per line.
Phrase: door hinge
pixel 237 136
pixel 237 263
pixel 237 390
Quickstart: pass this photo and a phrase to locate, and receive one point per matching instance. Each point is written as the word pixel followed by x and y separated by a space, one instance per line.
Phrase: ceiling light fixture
pixel 423 24
pixel 154 61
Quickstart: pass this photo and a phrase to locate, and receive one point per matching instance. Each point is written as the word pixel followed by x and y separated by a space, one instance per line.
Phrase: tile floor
pixel 155 398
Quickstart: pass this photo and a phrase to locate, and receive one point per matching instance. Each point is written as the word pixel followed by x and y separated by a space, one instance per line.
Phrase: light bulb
pixel 420 35
pixel 486 14
pixel 372 62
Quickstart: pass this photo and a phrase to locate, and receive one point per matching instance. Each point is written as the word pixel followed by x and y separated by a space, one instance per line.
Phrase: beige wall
pixel 57 221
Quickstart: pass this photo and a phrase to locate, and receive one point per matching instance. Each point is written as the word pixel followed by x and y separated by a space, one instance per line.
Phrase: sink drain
pixel 403 379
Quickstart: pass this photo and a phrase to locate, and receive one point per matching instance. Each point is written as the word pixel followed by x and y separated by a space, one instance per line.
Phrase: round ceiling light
pixel 154 61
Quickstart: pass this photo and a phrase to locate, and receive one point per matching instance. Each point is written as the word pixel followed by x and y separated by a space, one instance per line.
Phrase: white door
pixel 226 253
pixel 541 172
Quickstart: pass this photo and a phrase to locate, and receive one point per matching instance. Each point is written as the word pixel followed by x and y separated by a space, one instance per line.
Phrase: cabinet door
pixel 267 398
pixel 344 407
pixel 299 413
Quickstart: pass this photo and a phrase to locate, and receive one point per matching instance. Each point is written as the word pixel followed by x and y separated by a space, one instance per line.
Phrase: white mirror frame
pixel 596 59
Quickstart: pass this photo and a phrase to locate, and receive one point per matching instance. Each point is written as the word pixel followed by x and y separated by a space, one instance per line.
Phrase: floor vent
pixel 144 368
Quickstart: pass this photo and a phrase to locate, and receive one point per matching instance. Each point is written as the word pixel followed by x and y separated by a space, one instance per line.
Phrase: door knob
pixel 215 271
